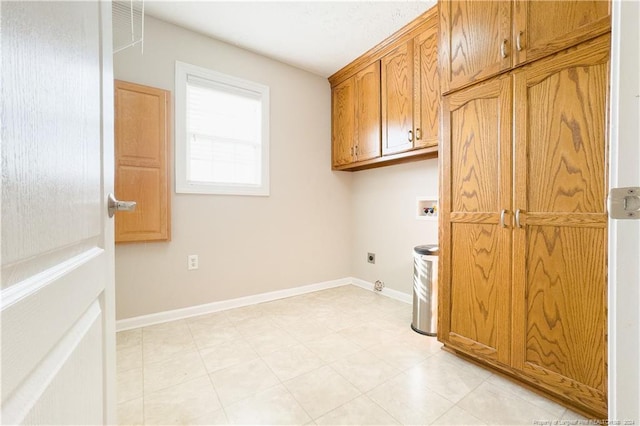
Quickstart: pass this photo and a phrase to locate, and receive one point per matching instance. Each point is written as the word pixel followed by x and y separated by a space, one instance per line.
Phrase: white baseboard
pixel 176 314
pixel 394 294
pixel 223 305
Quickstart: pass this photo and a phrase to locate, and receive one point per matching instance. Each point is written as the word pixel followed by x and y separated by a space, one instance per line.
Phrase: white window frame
pixel 183 185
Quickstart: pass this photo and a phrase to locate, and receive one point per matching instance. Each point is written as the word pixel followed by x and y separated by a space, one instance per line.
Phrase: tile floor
pixel 333 357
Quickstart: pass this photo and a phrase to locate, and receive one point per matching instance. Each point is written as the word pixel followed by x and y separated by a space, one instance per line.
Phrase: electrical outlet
pixel 192 262
pixel 371 257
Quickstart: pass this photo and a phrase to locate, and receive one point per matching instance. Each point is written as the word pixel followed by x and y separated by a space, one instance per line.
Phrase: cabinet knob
pixel 418 134
pixel 503 48
pixel 519 41
pixel 410 135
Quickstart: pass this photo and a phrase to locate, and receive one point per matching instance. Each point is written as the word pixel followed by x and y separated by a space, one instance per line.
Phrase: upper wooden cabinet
pixel 141 162
pixel 397 99
pixel 385 104
pixel 355 111
pixel 480 39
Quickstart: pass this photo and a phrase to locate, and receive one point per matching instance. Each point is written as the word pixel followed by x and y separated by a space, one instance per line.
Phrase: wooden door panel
pixel 560 251
pixel 475 247
pixel 397 100
pixel 545 27
pixel 142 156
pixel 475 157
pixel 471 34
pixel 343 116
pixel 426 92
pixel 368 112
pixel 478 286
pixel 567 141
pixel 566 300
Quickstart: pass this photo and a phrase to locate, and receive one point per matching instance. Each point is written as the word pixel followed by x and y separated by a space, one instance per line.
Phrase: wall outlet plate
pixel 192 262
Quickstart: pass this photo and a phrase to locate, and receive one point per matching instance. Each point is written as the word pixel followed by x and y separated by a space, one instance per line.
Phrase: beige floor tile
pixel 255 326
pixel 271 341
pixel 463 364
pixel 227 354
pixel 546 404
pixel 181 404
pixel 206 335
pixel 457 416
pixel 215 418
pixel 399 353
pixel 129 357
pixel 172 371
pixel 240 381
pixel 366 335
pixel 292 362
pixel 360 411
pixel 408 401
pixel 499 406
pixel 130 412
pixel 274 406
pixel 446 378
pixel 332 347
pixel 163 341
pixel 364 370
pixel 305 331
pixel 128 338
pixel 243 313
pixel 572 415
pixel 129 384
pixel 321 391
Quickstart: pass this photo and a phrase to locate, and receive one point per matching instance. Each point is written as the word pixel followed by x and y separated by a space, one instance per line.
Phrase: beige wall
pixel 247 245
pixel 383 212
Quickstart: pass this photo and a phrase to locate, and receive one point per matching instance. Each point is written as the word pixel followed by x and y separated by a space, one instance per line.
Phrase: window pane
pixel 222 114
pixel 223 161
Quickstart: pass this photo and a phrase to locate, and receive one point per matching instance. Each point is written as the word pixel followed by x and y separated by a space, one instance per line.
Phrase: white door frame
pixel 624 235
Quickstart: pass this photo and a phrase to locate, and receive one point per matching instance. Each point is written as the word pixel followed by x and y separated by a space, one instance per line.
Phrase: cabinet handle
pixel 503 48
pixel 517 215
pixel 503 213
pixel 418 134
pixel 410 135
pixel 519 41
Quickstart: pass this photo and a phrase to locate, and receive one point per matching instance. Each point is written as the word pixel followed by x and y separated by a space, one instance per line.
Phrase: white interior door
pixel 624 235
pixel 58 350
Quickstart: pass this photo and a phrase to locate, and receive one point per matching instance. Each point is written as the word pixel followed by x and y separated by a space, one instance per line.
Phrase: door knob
pixel 114 205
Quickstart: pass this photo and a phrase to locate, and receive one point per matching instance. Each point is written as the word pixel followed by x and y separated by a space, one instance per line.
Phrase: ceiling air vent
pixel 128 24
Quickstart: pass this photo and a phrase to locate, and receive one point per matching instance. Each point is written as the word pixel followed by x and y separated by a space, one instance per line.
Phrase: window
pixel 222 133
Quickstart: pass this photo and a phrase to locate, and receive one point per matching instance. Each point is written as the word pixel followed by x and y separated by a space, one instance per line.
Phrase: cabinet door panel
pixel 343 117
pixel 368 112
pixel 397 100
pixel 472 34
pixel 559 311
pixel 475 248
pixel 426 102
pixel 545 27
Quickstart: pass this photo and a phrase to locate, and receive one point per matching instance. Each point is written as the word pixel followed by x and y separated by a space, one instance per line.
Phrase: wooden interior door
pixel 560 247
pixel 397 100
pixel 368 134
pixel 475 240
pixel 426 91
pixel 141 161
pixel 57 293
pixel 472 35
pixel 343 114
pixel 543 27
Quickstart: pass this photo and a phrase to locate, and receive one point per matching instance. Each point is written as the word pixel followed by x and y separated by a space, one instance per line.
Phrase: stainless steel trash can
pixel 425 289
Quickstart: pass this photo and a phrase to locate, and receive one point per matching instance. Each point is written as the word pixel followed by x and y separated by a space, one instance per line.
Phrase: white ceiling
pixel 318 36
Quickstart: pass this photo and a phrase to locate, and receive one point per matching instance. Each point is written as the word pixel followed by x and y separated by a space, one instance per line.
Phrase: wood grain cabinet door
pixel 141 157
pixel 397 100
pixel 426 92
pixel 343 116
pixel 475 41
pixel 475 238
pixel 544 27
pixel 560 240
pixel 367 142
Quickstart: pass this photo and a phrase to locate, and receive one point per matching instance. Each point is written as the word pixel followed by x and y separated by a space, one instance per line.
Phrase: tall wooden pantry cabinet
pixel 523 285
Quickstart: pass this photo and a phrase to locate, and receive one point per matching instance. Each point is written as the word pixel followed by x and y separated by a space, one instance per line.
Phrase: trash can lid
pixel 428 249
